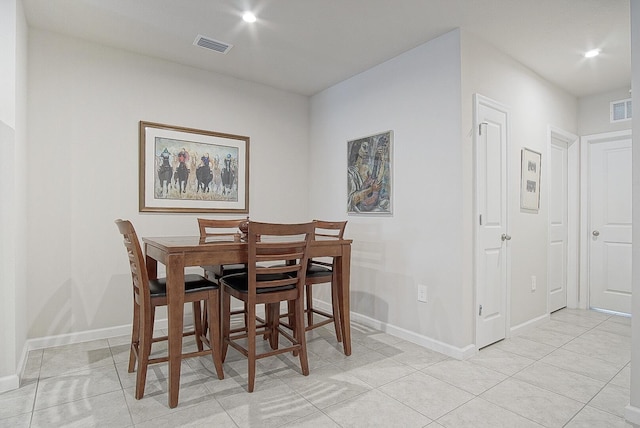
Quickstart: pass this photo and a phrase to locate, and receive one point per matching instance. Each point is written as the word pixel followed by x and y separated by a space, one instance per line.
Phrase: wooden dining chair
pixel 321 271
pixel 149 294
pixel 277 260
pixel 222 229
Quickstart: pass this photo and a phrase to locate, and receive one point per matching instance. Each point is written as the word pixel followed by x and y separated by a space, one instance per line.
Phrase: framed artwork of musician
pixel 369 174
pixel 187 170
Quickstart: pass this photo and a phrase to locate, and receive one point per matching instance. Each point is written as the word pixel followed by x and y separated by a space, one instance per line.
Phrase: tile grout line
pixel 595 327
pixel 35 394
pixel 538 360
pixel 420 370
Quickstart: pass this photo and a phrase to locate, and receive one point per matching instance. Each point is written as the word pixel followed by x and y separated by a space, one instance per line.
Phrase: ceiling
pixel 305 46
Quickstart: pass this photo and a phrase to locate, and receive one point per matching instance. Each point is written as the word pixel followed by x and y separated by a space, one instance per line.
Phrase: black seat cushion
pixel 192 283
pixel 240 282
pixel 220 270
pixel 315 271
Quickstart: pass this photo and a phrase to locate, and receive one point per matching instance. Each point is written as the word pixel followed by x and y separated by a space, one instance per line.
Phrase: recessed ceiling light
pixel 249 17
pixel 592 53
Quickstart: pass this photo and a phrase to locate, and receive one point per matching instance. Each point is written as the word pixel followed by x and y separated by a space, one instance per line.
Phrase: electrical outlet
pixel 533 283
pixel 422 293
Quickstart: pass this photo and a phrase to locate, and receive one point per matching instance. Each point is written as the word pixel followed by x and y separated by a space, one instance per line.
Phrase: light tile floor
pixel 573 371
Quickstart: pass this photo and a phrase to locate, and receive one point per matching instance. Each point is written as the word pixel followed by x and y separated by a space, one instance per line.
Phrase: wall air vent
pixel 211 44
pixel 620 110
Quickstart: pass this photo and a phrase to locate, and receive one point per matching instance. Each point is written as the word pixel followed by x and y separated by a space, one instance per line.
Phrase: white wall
pixel 13 39
pixel 426 97
pixel 417 95
pixel 534 105
pixel 633 410
pixel 20 208
pixel 8 30
pixel 593 113
pixel 7 145
pixel 85 102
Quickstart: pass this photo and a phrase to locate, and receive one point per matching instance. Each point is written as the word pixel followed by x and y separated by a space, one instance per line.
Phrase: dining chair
pixel 321 271
pixel 149 294
pixel 277 260
pixel 222 229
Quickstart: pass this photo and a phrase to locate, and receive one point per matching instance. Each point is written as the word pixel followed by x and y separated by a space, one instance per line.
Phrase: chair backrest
pixel 327 230
pixel 215 227
pixel 276 254
pixel 137 264
pixel 330 229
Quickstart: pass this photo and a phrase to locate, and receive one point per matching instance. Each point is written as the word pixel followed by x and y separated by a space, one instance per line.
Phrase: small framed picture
pixel 530 180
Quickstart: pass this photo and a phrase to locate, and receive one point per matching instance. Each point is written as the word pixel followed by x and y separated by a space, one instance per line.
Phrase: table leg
pixel 344 273
pixel 152 265
pixel 175 308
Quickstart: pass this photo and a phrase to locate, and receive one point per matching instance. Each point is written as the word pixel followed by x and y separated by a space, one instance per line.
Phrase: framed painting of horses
pixel 191 170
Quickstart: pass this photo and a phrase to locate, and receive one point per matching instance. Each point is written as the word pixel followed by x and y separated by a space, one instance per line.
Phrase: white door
pixel 610 223
pixel 557 252
pixel 491 133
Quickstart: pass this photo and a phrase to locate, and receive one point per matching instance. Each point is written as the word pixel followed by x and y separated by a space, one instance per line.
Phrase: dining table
pixel 179 252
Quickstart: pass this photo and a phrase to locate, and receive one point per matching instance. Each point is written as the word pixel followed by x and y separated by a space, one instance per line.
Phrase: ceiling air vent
pixel 214 45
pixel 620 110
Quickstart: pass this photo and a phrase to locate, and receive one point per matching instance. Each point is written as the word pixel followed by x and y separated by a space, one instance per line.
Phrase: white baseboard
pixel 632 414
pixel 528 325
pixel 418 339
pixel 72 338
pixel 81 336
pixel 8 383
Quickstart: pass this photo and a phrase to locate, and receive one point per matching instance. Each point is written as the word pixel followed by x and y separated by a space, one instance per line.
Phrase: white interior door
pixel 557 252
pixel 491 133
pixel 609 235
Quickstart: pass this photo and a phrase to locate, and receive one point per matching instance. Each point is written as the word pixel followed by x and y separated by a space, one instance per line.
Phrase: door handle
pixel 505 237
pixel 595 233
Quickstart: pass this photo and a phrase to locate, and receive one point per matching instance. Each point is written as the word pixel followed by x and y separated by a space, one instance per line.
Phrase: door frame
pixel 573 214
pixel 585 221
pixel 477 101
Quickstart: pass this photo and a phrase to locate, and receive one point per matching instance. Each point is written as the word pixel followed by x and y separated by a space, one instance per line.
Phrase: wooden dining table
pixel 178 252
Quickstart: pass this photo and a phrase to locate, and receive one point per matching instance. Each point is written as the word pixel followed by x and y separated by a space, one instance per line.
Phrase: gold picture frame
pixel 186 170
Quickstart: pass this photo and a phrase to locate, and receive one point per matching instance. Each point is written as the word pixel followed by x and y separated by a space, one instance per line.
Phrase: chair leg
pixel 135 337
pixel 226 322
pixel 309 309
pixel 197 323
pixel 336 307
pixel 266 322
pixel 251 345
pixel 244 312
pixel 273 319
pixel 205 321
pixel 144 350
pixel 213 307
pixel 300 336
pixel 292 306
